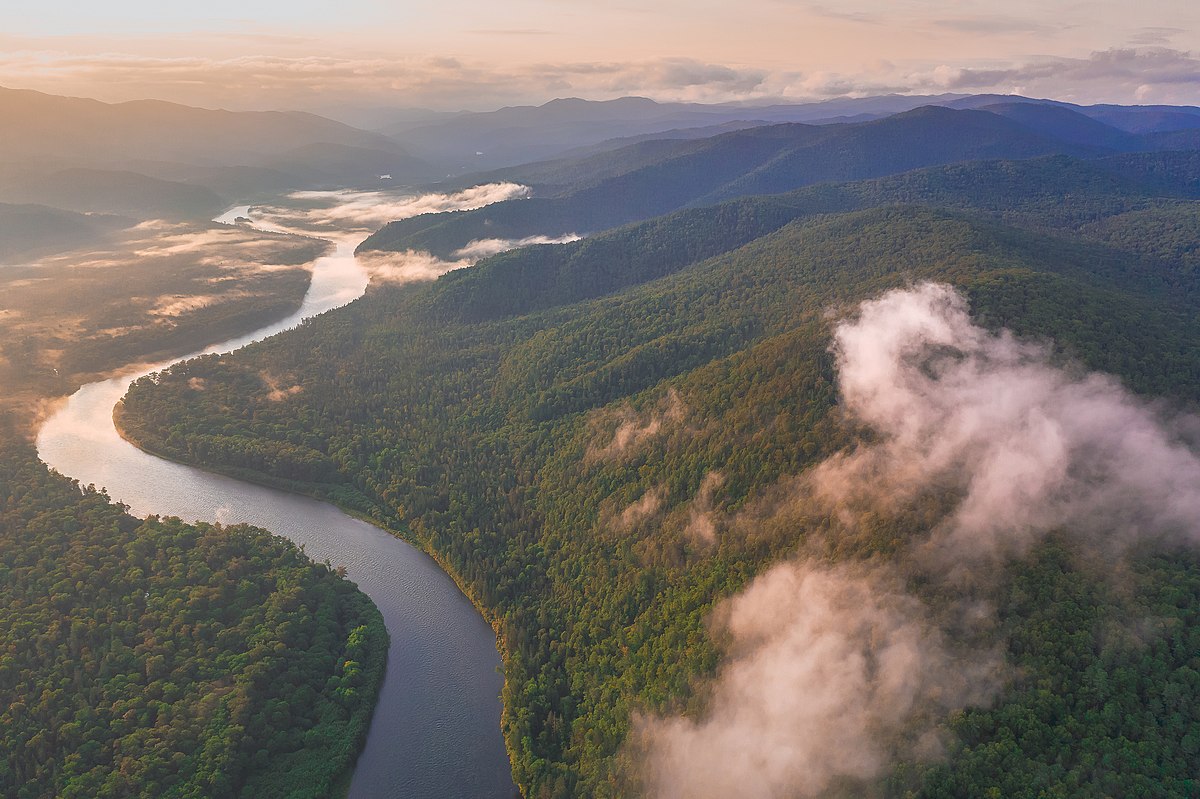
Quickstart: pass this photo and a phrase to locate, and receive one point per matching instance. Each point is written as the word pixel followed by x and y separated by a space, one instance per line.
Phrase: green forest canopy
pixel 467 415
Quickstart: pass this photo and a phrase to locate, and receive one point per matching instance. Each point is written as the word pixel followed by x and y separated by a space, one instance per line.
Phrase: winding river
pixel 436 728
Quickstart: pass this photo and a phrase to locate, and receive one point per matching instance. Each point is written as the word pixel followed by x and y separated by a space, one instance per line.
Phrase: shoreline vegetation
pixel 314 491
pixel 375 677
pixel 207 660
pixel 248 735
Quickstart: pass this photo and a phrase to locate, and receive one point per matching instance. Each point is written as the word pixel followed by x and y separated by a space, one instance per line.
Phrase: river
pixel 436 728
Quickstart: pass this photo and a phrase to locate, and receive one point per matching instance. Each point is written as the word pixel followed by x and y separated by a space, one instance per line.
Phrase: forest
pixel 155 658
pixel 149 657
pixel 548 422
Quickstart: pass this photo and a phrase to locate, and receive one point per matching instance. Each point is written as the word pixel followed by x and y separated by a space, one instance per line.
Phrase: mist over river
pixel 436 728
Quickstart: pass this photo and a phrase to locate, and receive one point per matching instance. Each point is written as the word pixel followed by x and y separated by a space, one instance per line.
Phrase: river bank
pixel 436 729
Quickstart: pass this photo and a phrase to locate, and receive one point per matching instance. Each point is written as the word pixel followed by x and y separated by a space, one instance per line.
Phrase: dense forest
pixel 150 657
pixel 553 423
pixel 159 659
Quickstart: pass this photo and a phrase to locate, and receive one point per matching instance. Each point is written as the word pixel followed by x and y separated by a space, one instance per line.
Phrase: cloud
pixel 834 671
pixel 409 266
pixel 307 81
pixel 511 31
pixel 1027 445
pixel 641 510
pixel 258 81
pixel 482 248
pixel 232 247
pixel 668 79
pixel 1153 36
pixel 368 210
pixel 858 17
pixel 634 429
pixel 276 392
pixel 985 25
pixel 171 305
pixel 1120 71
pixel 702 526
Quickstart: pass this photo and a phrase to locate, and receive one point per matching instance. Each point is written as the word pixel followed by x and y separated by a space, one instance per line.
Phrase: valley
pixel 554 421
pixel 843 450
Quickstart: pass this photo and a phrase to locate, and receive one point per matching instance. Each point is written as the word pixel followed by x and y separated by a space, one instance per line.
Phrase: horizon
pixel 368 55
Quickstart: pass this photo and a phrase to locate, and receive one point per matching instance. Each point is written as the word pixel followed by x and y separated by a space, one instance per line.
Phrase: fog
pixel 482 248
pixel 634 429
pixel 408 266
pixel 834 671
pixel 369 210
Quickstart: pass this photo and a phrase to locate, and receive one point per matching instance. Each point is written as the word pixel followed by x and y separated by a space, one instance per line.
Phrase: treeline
pixel 547 421
pixel 161 659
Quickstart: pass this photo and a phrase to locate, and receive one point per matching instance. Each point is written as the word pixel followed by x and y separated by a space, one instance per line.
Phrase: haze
pixel 477 55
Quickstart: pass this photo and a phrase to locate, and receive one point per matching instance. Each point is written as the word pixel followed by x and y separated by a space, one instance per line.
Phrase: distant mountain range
pixel 511 136
pixel 150 158
pixel 648 178
pixel 215 157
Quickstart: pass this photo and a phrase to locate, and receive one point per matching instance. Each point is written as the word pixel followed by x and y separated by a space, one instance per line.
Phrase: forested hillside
pixel 581 432
pixel 593 193
pixel 160 659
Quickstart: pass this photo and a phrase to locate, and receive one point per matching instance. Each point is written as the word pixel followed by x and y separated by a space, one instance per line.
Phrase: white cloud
pixel 369 210
pixel 833 672
pixel 482 248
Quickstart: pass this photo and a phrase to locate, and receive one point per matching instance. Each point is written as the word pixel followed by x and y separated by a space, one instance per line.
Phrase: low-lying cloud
pixel 836 671
pixel 235 250
pixel 368 210
pixel 634 429
pixel 702 526
pixel 277 390
pixel 641 510
pixel 409 266
pixel 1027 445
pixel 833 673
pixel 482 248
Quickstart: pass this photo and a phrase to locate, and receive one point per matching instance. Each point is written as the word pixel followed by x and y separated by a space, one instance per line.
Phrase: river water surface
pixel 436 729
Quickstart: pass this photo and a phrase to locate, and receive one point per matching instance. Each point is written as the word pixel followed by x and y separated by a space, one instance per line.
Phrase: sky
pixel 482 54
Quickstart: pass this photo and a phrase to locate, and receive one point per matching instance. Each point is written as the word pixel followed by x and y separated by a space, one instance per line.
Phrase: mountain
pixel 116 192
pixel 471 142
pixel 46 134
pixel 188 660
pixel 323 164
pixel 32 230
pixel 1065 124
pixel 1146 118
pixel 36 125
pixel 655 177
pixel 607 440
pixel 483 141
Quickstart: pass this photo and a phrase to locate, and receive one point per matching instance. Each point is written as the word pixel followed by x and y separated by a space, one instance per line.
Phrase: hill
pixel 37 126
pixel 153 658
pixel 607 439
pixel 116 192
pixel 655 177
pixel 471 142
pixel 42 135
pixel 31 230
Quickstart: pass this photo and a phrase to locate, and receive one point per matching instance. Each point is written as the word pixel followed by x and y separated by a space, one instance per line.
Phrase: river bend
pixel 436 728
